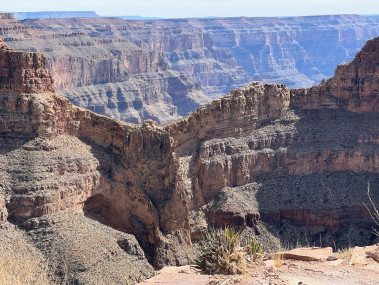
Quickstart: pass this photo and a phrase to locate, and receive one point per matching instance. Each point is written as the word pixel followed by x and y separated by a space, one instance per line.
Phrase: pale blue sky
pixel 199 8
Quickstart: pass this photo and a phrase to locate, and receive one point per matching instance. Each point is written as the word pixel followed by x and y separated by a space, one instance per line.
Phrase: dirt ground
pixel 349 268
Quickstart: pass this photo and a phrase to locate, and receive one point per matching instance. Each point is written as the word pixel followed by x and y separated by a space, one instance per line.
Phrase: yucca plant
pixel 220 252
pixel 254 248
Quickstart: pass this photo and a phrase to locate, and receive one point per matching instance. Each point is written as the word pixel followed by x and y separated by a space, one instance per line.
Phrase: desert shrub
pixel 254 249
pixel 374 212
pixel 220 253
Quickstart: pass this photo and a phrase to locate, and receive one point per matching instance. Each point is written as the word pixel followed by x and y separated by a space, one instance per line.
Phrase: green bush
pixel 221 253
pixel 254 249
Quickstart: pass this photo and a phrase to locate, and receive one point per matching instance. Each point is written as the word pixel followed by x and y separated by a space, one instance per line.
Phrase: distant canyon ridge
pixel 165 69
pixel 107 202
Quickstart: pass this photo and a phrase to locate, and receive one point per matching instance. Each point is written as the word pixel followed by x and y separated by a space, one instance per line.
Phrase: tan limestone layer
pixel 23 72
pixel 235 114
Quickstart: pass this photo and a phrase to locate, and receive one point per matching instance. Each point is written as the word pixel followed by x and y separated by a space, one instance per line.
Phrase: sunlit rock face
pixel 300 156
pixel 165 69
pixel 62 167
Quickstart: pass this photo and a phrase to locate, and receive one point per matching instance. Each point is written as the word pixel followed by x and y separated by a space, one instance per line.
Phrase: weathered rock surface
pixel 226 53
pixel 113 77
pixel 355 86
pixel 56 157
pixel 362 255
pixel 188 48
pixel 301 159
pixel 91 58
pixel 279 272
pixel 23 72
pixel 308 254
pixel 295 51
pixel 292 164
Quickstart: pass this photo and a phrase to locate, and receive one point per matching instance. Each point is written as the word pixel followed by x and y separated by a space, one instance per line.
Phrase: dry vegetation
pixel 221 252
pixel 18 268
pixel 374 212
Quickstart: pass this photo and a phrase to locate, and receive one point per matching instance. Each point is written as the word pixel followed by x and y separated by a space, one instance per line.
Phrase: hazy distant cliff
pixel 225 53
pixel 101 201
pixel 164 69
pixel 298 159
pixel 113 77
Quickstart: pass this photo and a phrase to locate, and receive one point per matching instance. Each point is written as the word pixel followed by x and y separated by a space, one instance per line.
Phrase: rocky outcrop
pixel 355 86
pixel 240 111
pixel 305 158
pixel 23 72
pixel 113 77
pixel 60 158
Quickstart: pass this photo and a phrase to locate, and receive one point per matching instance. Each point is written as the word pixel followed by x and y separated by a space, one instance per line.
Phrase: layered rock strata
pixel 59 158
pixel 23 72
pixel 108 64
pixel 277 161
pixel 304 156
pixel 113 77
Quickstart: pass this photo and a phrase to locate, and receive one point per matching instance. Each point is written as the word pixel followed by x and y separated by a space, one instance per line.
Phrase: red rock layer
pixel 58 157
pixel 23 71
pixel 355 85
pixel 306 159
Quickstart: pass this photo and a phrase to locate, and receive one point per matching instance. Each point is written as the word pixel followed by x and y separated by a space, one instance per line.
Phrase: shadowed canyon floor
pixel 100 199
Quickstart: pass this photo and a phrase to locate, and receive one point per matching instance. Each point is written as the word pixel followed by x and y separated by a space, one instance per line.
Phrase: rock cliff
pixel 354 87
pixel 57 158
pixel 303 157
pixel 23 72
pixel 94 195
pixel 113 77
pixel 104 64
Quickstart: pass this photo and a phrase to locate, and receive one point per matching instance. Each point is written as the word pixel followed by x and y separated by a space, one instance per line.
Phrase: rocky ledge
pixel 23 71
pixel 58 159
pixel 290 167
pixel 293 163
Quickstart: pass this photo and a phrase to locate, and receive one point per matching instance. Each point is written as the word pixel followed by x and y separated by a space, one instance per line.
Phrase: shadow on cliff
pixel 13 142
pixel 118 202
pixel 315 195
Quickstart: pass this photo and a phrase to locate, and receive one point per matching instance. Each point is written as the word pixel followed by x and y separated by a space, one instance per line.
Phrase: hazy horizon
pixel 199 8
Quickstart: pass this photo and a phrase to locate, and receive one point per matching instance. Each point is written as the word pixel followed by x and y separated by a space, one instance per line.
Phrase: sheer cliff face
pixel 354 87
pixel 23 72
pixel 113 77
pixel 58 159
pixel 300 156
pixel 226 53
pixel 294 51
pixel 190 50
pixel 90 192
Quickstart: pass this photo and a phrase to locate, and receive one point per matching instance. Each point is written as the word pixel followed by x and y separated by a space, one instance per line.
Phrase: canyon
pixel 165 69
pixel 108 201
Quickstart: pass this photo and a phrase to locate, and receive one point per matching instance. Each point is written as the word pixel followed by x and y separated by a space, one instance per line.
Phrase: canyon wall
pixel 113 77
pixel 306 157
pixel 104 197
pixel 212 56
pixel 59 162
